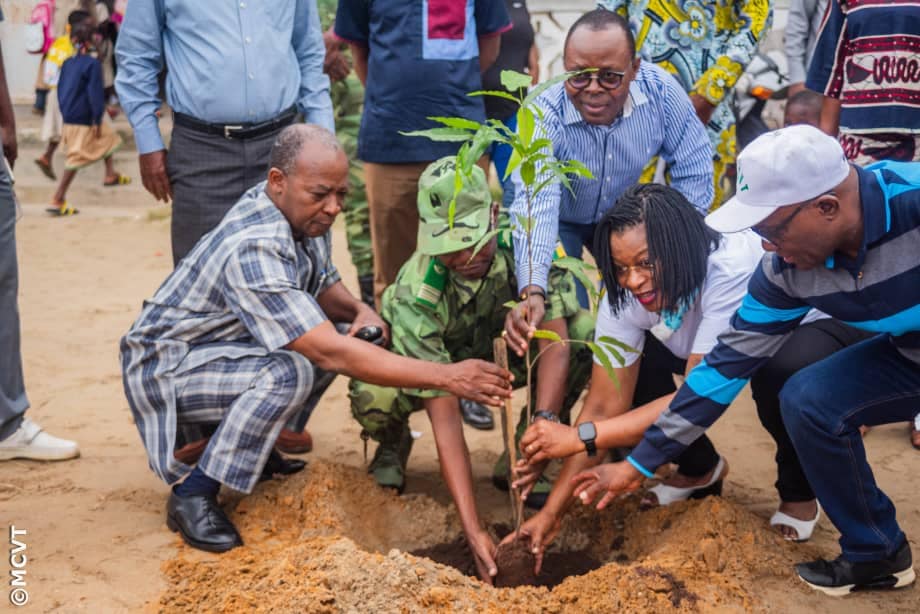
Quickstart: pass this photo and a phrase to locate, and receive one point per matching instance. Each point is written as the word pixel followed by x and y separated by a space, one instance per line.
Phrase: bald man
pixel 240 337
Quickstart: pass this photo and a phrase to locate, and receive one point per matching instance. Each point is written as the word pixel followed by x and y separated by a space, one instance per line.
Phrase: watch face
pixel 586 431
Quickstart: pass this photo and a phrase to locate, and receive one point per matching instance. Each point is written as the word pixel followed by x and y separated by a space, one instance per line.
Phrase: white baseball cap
pixel 784 167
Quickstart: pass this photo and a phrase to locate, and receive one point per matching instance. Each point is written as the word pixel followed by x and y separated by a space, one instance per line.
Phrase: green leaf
pixel 525 223
pixel 525 126
pixel 496 94
pixel 510 304
pixel 546 334
pixel 513 162
pixel 527 171
pixel 604 359
pixel 441 134
pixel 485 240
pixel 514 81
pixel 457 122
pixel 619 357
pixel 540 144
pixel 618 343
pixel 579 269
pixel 574 167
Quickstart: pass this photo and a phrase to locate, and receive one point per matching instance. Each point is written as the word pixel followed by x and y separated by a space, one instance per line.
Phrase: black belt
pixel 237 131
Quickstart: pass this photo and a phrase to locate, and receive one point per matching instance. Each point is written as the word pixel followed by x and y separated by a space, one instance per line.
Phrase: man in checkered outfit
pixel 238 337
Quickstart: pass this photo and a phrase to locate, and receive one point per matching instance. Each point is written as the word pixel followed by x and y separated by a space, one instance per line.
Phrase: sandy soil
pixel 325 539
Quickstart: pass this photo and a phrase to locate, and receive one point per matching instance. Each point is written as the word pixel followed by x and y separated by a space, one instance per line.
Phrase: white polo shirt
pixel 728 270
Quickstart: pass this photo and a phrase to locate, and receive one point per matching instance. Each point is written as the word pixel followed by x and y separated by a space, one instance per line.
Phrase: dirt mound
pixel 330 540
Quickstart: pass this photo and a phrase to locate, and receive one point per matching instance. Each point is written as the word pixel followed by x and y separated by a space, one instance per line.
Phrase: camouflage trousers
pixel 384 412
pixel 347 100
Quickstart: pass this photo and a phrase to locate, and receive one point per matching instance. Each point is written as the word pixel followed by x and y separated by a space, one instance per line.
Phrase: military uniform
pixel 438 315
pixel 347 102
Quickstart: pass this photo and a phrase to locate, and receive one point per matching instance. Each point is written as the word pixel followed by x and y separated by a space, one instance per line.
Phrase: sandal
pixel 118 180
pixel 62 210
pixel 46 169
pixel 803 528
pixel 667 495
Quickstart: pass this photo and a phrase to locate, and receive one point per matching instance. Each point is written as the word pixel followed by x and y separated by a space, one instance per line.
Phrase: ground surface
pixel 323 540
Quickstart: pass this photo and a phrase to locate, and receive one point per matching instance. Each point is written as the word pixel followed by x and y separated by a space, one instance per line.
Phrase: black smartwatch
pixel 587 433
pixel 545 415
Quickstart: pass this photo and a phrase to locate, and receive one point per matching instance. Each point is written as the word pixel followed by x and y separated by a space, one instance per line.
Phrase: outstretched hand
pixel 607 481
pixel 483 549
pixel 522 321
pixel 480 381
pixel 544 440
pixel 540 530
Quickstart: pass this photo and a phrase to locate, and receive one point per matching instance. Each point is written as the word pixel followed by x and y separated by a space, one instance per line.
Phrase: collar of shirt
pixel 570 114
pixel 876 218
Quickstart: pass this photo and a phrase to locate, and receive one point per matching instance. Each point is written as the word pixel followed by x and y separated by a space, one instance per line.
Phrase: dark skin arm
pixel 533 64
pixel 454 457
pixel 489 47
pixel 830 116
pixel 336 63
pixel 7 120
pixel 360 53
pixel 477 380
pixel 340 305
pixel 703 108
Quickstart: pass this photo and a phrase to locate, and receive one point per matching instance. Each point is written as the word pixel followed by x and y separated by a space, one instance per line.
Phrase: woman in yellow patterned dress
pixel 706 45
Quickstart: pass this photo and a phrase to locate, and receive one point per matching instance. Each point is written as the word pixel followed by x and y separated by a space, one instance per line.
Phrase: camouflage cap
pixel 471 217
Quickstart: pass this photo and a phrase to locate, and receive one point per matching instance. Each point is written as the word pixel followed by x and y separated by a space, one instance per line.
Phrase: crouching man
pixel 238 336
pixel 448 304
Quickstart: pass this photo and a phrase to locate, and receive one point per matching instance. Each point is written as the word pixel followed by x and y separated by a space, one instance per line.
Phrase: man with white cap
pixel 842 240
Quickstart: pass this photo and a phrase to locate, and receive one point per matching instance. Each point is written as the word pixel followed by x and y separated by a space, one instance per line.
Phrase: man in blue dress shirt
pixel 614 121
pixel 236 74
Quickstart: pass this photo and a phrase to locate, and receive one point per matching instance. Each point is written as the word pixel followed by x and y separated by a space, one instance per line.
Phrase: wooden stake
pixel 500 351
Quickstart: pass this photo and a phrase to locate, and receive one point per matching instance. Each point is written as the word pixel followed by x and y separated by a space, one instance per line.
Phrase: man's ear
pixel 276 180
pixel 636 63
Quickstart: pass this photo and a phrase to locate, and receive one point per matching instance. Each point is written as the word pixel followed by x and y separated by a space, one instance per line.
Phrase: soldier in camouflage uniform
pixel 447 305
pixel 347 95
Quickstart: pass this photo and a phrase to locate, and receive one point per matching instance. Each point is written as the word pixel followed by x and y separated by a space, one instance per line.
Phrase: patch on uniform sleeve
pixel 429 293
pixel 559 252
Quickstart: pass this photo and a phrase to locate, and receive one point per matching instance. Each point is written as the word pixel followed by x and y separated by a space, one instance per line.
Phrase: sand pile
pixel 329 540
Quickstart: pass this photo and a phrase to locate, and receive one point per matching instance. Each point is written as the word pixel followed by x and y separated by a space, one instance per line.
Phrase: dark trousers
pixel 656 379
pixel 574 238
pixel 13 401
pixel 823 406
pixel 807 345
pixel 209 173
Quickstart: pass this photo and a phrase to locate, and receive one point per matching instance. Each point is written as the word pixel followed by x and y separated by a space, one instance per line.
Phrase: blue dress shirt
pixel 657 120
pixel 240 62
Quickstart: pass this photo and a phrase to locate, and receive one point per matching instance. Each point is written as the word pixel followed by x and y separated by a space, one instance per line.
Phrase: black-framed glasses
pixel 776 233
pixel 606 78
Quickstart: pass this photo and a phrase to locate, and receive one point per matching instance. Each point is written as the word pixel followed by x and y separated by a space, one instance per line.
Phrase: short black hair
pixel 679 243
pixel 806 99
pixel 602 19
pixel 77 16
pixel 291 141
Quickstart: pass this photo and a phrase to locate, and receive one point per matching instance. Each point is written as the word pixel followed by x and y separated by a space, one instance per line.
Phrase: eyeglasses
pixel 607 79
pixel 776 233
pixel 646 267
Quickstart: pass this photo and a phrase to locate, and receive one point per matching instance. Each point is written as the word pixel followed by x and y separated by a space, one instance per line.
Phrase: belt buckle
pixel 227 130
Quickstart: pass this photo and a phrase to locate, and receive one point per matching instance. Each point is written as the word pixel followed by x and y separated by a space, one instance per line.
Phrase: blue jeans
pixel 823 406
pixel 574 238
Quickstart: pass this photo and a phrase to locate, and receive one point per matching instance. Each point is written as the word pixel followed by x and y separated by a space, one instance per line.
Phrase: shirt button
pixel 250 76
pixel 242 5
pixel 248 40
pixel 610 156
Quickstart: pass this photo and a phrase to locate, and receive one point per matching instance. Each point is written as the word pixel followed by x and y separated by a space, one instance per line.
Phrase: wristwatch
pixel 587 433
pixel 545 415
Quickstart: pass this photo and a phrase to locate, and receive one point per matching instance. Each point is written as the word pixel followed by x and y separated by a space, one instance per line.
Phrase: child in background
pixel 804 107
pixel 86 137
pixel 59 52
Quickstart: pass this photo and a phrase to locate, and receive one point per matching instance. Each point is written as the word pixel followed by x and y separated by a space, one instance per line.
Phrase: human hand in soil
pixel 153 174
pixel 544 440
pixel 480 381
pixel 368 317
pixel 610 480
pixel 483 549
pixel 540 530
pixel 522 321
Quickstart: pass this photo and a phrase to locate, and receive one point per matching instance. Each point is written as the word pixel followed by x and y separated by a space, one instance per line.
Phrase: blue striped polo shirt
pixel 879 291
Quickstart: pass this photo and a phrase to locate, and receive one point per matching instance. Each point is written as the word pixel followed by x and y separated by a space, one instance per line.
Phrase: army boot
pixel 366 286
pixel 389 463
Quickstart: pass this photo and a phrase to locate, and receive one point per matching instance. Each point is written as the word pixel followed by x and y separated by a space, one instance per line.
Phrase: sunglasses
pixel 607 79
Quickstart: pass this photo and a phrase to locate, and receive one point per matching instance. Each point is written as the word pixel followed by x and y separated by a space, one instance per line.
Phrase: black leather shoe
pixel 201 523
pixel 366 286
pixel 840 577
pixel 281 465
pixel 476 415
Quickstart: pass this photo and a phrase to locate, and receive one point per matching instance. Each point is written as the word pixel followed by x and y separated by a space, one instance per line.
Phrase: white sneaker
pixel 31 442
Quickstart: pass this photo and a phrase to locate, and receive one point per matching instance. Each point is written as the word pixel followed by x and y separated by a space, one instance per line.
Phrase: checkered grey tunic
pixel 246 290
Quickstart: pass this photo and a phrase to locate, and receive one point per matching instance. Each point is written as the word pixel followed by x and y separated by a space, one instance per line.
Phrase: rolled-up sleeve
pixel 262 287
pixel 139 53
